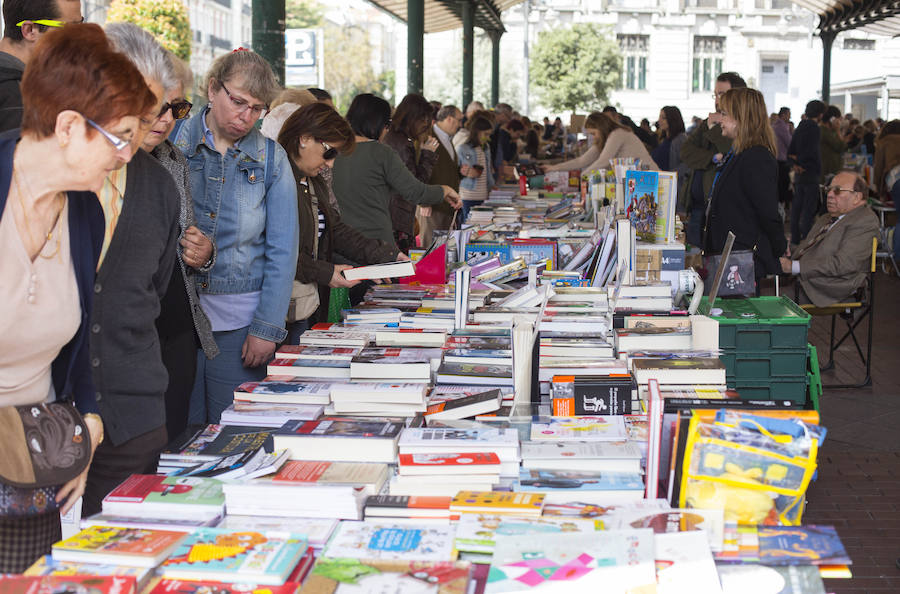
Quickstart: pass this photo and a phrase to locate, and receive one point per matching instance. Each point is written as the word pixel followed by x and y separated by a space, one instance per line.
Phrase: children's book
pixel 614 561
pixel 641 201
pixel 345 576
pixel 709 521
pixel 56 584
pixel 317 531
pixel 211 587
pixel 114 545
pixel 227 556
pixel 497 502
pixel 48 566
pixel 153 494
pixel 594 428
pixel 388 542
pixel 759 579
pixel 476 533
pixel 801 545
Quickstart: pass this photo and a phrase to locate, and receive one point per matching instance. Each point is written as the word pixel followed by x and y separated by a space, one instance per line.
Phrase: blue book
pixel 641 202
pixel 801 545
pixel 539 480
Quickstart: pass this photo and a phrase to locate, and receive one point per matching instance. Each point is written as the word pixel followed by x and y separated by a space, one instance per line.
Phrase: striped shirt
pixel 110 196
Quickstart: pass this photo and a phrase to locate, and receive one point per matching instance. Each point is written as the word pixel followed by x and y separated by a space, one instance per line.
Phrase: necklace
pixel 49 235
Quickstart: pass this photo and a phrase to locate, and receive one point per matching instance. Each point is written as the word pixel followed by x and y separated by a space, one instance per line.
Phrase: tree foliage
pixel 167 20
pixel 445 84
pixel 575 67
pixel 348 66
pixel 303 14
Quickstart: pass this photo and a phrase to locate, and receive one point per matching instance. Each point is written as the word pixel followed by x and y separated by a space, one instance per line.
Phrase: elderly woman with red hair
pixel 82 102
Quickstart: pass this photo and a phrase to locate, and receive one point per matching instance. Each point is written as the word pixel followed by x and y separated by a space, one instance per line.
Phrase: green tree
pixel 444 84
pixel 576 67
pixel 303 14
pixel 167 20
pixel 348 65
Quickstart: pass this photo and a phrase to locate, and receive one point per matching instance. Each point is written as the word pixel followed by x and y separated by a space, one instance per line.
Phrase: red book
pixel 431 269
pixel 469 463
pixel 53 584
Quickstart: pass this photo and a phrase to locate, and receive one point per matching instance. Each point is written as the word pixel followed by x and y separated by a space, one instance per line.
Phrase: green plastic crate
pixel 793 389
pixel 760 323
pixel 787 363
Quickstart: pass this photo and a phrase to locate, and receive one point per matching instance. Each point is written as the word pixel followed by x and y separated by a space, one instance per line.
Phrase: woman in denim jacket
pixel 474 164
pixel 245 200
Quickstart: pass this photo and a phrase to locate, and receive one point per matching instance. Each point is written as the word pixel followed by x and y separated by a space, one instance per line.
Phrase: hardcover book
pixel 114 545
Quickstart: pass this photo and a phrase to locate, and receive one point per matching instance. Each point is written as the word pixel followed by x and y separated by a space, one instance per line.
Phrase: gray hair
pixel 182 73
pixel 259 79
pixel 473 107
pixel 139 46
pixel 447 111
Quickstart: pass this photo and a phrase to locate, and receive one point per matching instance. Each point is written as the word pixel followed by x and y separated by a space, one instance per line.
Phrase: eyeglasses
pixel 48 22
pixel 330 152
pixel 241 106
pixel 180 109
pixel 114 140
pixel 837 190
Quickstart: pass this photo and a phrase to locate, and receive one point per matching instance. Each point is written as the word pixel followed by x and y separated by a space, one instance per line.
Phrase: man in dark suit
pixel 805 156
pixel 445 172
pixel 833 260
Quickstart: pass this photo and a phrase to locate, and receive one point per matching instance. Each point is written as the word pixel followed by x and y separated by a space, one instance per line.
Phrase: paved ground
pixel 858 484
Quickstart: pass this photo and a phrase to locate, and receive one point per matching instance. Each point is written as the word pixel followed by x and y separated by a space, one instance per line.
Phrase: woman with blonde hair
pixel 611 140
pixel 744 196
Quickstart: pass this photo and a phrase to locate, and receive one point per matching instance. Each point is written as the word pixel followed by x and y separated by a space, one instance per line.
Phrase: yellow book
pixel 496 502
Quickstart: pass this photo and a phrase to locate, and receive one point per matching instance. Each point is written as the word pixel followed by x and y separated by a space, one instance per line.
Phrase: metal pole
pixel 827 43
pixel 468 53
pixel 495 67
pixel 268 33
pixel 527 106
pixel 415 45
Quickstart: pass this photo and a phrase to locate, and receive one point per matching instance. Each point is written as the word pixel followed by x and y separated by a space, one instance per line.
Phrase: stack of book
pixel 472 470
pixel 408 509
pixel 212 442
pixel 157 496
pixel 396 364
pixel 379 398
pixel 341 439
pixel 381 316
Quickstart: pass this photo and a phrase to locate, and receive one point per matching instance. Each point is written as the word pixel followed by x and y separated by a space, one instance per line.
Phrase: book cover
pixel 56 584
pixel 541 480
pixel 214 441
pixel 48 566
pixel 709 521
pixel 284 388
pixel 801 545
pixel 384 541
pixel 407 506
pixel 223 555
pixel 212 587
pixel 642 200
pixel 616 561
pixel 380 271
pixel 472 372
pixel 787 579
pixel 331 473
pixel 303 351
pixel 345 576
pixel 142 489
pixel 587 428
pixel 111 544
pixel 464 405
pixel 586 395
pixel 469 463
pixel 497 502
pixel 684 564
pixel 475 533
pixel 396 355
pixel 310 367
pixel 448 437
pixel 587 455
pixel 341 428
pixel 317 531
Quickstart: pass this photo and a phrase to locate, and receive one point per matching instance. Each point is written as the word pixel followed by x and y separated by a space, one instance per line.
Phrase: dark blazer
pixel 806 151
pixel 129 374
pixel 744 200
pixel 71 370
pixel 403 213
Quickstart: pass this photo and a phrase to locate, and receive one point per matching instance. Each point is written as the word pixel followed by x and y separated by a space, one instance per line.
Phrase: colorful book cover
pixel 223 555
pixel 154 488
pixel 641 199
pixel 341 428
pixel 47 565
pixel 593 428
pixel 331 473
pixel 469 463
pixel 709 521
pixel 317 531
pixel 59 584
pixel 210 587
pixel 407 502
pixel 498 502
pixel 616 561
pixel 345 576
pixel 109 544
pixel 538 480
pixel 801 545
pixel 740 544
pixel 386 542
pixel 215 441
pixel 759 579
pixel 476 533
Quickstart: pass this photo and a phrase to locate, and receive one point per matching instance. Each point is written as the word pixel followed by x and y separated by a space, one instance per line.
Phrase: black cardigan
pixel 744 200
pixel 128 370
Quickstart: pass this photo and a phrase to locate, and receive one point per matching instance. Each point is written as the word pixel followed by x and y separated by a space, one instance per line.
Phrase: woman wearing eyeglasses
pixel 245 201
pixel 82 101
pixel 181 321
pixel 312 137
pixel 744 196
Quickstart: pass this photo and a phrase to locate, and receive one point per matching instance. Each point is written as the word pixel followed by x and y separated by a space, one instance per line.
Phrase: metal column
pixel 468 53
pixel 827 43
pixel 415 45
pixel 268 34
pixel 495 67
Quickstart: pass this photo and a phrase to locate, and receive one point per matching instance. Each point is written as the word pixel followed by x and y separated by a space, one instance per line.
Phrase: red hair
pixel 75 68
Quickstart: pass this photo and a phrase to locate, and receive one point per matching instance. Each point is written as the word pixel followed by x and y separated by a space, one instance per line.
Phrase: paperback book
pixel 118 546
pixel 386 542
pixel 343 575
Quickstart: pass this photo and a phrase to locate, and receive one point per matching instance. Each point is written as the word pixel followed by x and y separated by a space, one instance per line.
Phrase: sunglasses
pixel 180 109
pixel 330 152
pixel 47 22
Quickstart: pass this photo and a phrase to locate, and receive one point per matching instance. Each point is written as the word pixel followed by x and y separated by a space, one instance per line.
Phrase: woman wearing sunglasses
pixel 181 321
pixel 82 101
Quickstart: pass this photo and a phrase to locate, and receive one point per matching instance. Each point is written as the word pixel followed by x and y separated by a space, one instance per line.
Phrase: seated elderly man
pixel 832 262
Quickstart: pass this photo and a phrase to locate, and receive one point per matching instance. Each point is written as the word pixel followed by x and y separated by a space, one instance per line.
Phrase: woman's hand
pixel 256 351
pixel 401 257
pixel 72 490
pixel 431 144
pixel 197 248
pixel 452 197
pixel 425 211
pixel 338 280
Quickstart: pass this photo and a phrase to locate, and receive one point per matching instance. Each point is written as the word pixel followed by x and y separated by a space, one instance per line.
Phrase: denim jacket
pixel 469 156
pixel 255 231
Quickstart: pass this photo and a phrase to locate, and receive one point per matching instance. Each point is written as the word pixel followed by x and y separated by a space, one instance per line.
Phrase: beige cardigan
pixel 620 143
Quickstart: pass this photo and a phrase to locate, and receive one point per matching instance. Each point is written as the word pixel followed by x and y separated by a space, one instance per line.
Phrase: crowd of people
pixel 155 259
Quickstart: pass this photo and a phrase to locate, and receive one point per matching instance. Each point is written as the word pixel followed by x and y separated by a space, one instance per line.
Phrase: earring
pixel 302 145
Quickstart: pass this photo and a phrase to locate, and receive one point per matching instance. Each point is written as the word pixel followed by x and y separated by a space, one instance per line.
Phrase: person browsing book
pixel 312 137
pixel 474 156
pixel 245 199
pixel 611 140
pixel 82 102
pixel 744 197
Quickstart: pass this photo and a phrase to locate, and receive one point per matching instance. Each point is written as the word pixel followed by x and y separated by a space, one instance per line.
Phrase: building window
pixel 859 44
pixel 709 56
pixel 635 49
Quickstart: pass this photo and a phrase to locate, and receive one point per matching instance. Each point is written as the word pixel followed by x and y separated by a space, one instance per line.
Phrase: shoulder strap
pixel 270 159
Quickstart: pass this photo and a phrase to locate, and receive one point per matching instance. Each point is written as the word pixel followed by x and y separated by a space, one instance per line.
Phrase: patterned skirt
pixel 25 539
